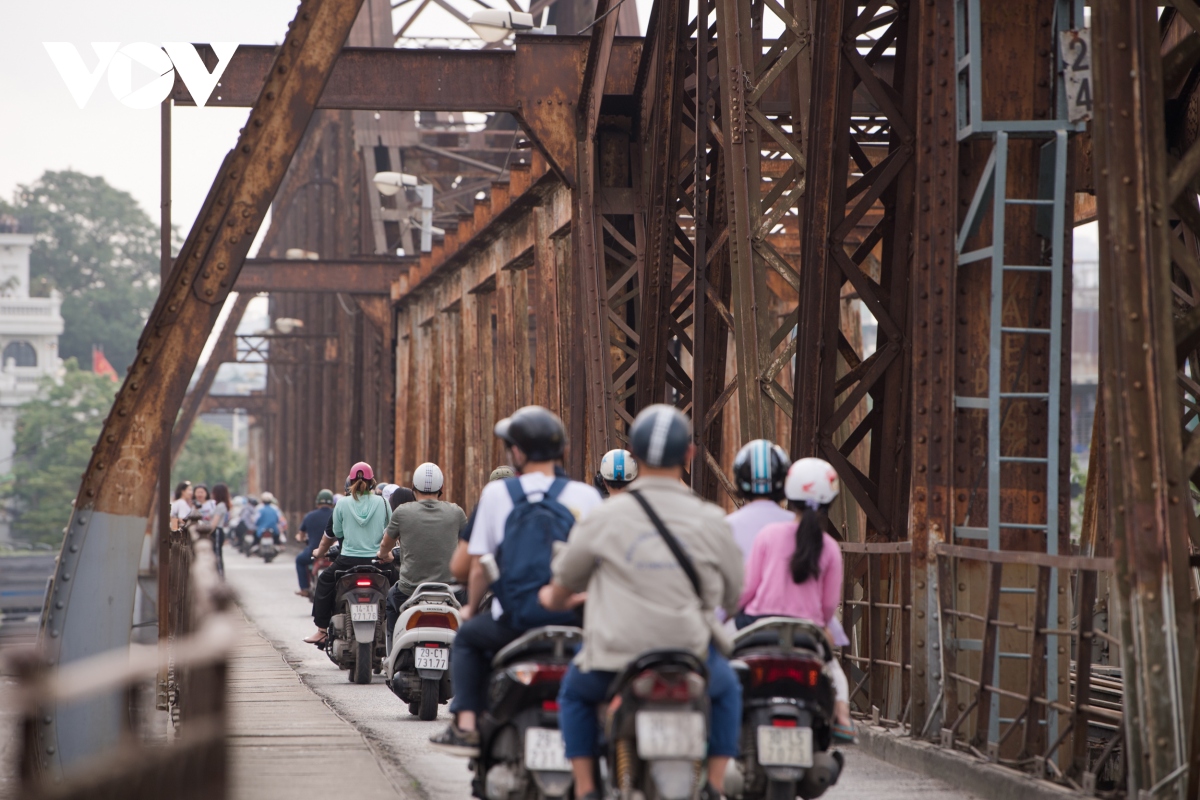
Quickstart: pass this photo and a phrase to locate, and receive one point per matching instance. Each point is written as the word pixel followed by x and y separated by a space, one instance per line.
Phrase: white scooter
pixel 417 669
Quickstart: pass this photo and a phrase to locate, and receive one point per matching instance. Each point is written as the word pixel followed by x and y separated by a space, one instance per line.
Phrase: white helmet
pixel 428 478
pixel 387 490
pixel 812 481
pixel 266 497
pixel 618 466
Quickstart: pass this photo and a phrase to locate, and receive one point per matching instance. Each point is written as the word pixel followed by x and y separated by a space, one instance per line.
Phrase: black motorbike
pixel 787 707
pixel 356 638
pixel 522 756
pixel 657 729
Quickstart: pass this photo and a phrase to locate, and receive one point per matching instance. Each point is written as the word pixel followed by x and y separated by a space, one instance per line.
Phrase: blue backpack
pixel 523 558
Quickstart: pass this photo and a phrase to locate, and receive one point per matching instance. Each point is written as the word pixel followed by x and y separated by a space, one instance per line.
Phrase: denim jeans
pixel 303 564
pixel 475 645
pixel 581 692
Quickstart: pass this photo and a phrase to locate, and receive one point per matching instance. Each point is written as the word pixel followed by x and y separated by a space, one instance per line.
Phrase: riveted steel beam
pixel 91 597
pixel 362 275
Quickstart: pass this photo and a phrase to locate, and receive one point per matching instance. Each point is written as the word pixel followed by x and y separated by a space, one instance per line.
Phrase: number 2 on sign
pixel 1076 48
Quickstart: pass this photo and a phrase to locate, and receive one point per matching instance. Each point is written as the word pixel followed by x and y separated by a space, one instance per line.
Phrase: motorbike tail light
pixel 364 599
pixel 765 670
pixel 534 673
pixel 660 688
pixel 363 582
pixel 783 722
pixel 550 705
pixel 429 620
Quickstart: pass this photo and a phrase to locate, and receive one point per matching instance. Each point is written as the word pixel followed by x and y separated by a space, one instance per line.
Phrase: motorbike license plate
pixel 670 735
pixel 785 747
pixel 364 612
pixel 432 658
pixel 545 751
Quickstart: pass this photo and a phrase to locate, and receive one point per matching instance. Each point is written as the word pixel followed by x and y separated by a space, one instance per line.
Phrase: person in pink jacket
pixel 795 570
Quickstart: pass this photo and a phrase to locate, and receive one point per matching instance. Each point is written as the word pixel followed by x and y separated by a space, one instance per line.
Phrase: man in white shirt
pixel 535 439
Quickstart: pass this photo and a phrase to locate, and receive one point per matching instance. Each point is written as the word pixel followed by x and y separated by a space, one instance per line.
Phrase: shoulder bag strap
pixel 676 549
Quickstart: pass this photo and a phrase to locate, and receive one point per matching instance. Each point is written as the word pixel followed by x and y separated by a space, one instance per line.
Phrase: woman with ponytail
pixel 358 523
pixel 795 570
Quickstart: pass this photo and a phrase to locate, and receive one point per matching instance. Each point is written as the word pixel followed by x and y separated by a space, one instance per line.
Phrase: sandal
pixel 844 733
pixel 318 640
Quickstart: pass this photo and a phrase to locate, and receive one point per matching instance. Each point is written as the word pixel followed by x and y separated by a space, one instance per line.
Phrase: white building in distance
pixel 29 331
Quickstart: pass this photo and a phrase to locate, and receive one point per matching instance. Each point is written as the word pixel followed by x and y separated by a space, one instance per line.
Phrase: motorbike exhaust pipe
pixel 821 775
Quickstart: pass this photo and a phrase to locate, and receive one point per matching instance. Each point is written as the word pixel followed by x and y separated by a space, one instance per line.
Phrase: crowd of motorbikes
pixel 655 727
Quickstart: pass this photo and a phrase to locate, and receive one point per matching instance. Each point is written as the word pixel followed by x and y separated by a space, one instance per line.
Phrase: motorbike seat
pixel 558 641
pixel 658 658
pixel 431 592
pixel 773 632
pixel 359 570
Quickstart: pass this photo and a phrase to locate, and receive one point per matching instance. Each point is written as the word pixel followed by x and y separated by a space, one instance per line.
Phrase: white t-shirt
pixel 751 518
pixel 181 509
pixel 495 504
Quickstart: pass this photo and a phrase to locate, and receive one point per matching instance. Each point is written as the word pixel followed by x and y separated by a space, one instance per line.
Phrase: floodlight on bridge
pixel 390 183
pixel 494 24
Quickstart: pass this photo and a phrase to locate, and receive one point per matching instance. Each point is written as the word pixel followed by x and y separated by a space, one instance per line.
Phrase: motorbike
pixel 417 668
pixel 317 566
pixel 356 631
pixel 657 726
pixel 266 546
pixel 787 708
pixel 521 748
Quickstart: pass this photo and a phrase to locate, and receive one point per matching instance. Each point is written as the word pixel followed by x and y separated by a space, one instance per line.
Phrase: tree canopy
pixel 52 444
pixel 97 247
pixel 209 458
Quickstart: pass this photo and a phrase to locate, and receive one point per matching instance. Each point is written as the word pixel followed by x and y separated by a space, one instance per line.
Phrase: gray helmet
pixel 660 435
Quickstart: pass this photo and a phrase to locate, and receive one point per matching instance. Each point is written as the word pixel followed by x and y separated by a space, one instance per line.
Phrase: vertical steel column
pixel 1151 507
pixel 700 247
pixel 165 462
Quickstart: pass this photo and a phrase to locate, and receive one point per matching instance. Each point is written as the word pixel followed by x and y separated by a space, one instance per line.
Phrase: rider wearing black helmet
pixel 535 439
pixel 759 470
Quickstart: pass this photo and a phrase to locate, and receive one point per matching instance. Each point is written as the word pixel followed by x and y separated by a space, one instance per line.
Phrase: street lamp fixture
pixel 494 24
pixel 390 183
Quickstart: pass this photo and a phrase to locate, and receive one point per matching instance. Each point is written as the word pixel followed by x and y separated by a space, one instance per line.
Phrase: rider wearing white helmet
pixel 617 470
pixel 425 532
pixel 795 569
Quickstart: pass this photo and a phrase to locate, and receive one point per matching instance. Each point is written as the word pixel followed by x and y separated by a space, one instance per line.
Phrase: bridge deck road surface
pixel 398 741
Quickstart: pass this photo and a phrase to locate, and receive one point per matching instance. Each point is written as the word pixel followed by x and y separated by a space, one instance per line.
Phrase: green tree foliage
pixel 98 247
pixel 53 443
pixel 208 458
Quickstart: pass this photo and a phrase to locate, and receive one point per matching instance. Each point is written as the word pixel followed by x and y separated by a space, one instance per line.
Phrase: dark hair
pixel 180 488
pixel 198 487
pixel 220 493
pixel 810 541
pixel 361 486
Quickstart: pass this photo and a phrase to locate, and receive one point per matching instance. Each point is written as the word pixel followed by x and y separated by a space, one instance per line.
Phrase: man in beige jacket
pixel 640 598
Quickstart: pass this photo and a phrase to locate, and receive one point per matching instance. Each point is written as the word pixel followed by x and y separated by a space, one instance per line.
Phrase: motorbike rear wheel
pixel 362 663
pixel 781 790
pixel 429 699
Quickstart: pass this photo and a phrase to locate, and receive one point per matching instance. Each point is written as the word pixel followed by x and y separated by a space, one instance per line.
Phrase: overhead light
pixel 300 254
pixel 390 183
pixel 286 325
pixel 494 24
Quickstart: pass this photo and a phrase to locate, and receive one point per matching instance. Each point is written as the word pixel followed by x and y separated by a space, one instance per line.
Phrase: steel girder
pixel 1151 259
pixel 847 180
pixel 90 601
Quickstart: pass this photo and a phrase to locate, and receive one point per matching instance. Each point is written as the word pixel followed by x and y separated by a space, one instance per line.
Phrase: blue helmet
pixel 760 469
pixel 660 436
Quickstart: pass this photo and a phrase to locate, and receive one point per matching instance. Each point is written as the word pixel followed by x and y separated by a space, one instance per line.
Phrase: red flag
pixel 100 364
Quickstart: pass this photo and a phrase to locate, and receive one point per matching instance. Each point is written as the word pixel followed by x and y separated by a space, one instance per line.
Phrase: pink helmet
pixel 361 470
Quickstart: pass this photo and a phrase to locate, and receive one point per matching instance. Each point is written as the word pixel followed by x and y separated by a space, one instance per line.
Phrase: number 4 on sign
pixel 1076 47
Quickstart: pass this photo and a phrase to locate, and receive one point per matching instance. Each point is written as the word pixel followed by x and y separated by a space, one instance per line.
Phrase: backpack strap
pixel 676 548
pixel 515 490
pixel 556 488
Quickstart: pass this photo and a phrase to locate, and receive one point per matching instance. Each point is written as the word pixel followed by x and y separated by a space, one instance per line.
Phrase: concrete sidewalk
pixel 284 741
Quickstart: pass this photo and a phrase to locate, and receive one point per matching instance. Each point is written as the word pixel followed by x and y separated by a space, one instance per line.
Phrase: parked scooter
pixel 417 668
pixel 521 748
pixel 658 726
pixel 787 707
pixel 356 631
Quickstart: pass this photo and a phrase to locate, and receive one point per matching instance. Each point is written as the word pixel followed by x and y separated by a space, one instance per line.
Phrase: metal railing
pixel 184 758
pixel 1052 710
